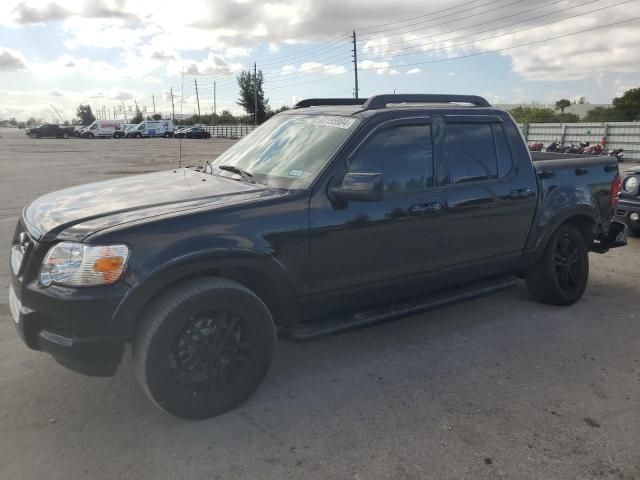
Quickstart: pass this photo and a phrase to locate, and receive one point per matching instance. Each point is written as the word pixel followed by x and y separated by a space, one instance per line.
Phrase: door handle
pixel 521 193
pixel 426 208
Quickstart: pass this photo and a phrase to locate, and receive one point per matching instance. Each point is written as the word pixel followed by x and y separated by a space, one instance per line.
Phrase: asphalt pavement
pixel 499 387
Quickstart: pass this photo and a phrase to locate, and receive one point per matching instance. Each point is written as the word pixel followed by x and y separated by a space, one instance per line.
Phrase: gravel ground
pixel 500 387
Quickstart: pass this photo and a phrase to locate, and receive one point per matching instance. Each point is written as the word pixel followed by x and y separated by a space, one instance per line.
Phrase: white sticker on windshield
pixel 296 173
pixel 330 121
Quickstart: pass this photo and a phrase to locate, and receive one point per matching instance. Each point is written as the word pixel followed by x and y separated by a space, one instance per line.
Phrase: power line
pixel 416 17
pixel 508 48
pixel 438 24
pixel 421 50
pixel 401 42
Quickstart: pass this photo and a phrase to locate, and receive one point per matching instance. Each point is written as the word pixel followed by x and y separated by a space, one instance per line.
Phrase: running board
pixel 372 316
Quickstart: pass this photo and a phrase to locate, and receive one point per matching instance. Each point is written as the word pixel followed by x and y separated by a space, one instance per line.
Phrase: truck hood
pixel 74 213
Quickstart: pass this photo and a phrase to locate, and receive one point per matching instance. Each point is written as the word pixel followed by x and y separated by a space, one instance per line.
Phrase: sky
pixel 113 54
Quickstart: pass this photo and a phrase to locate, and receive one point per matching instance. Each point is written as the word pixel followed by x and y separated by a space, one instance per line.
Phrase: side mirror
pixel 364 187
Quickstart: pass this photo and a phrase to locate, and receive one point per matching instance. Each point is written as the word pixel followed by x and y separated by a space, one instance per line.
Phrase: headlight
pixel 631 184
pixel 79 265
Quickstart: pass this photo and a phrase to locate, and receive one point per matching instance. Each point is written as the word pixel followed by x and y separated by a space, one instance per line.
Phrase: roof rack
pixel 311 102
pixel 381 101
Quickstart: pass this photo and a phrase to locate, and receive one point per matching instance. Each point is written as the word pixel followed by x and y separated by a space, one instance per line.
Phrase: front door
pixel 364 252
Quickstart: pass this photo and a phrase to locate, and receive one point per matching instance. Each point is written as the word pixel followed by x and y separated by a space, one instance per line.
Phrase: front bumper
pixel 72 325
pixel 624 210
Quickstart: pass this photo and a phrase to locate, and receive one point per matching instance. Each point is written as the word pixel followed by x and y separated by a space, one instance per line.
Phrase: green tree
pixel 628 104
pixel 533 114
pixel 562 104
pixel 602 114
pixel 250 85
pixel 567 118
pixel 226 118
pixel 281 109
pixel 85 115
pixel 157 116
pixel 137 118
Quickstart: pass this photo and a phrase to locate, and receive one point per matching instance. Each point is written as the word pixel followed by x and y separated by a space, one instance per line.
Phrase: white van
pixel 101 128
pixel 153 128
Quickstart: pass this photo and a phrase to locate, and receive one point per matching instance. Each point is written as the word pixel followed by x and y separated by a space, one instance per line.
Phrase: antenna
pixel 181 117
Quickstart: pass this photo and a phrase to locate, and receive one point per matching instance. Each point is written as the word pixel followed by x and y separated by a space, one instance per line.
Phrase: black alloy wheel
pixel 569 268
pixel 561 275
pixel 204 347
pixel 213 354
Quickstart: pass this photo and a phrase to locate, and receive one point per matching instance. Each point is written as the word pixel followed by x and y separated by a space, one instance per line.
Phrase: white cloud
pixel 10 60
pixel 414 71
pixel 381 68
pixel 318 67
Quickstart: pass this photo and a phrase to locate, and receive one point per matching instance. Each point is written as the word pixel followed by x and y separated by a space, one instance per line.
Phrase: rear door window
pixel 472 152
pixel 505 161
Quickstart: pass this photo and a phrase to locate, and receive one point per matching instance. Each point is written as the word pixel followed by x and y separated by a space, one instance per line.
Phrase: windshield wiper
pixel 246 176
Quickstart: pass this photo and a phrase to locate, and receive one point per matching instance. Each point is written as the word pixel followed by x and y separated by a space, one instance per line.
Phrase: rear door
pixel 491 198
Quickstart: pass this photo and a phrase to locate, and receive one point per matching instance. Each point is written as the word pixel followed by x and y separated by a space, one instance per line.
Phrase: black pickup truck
pixel 49 130
pixel 336 214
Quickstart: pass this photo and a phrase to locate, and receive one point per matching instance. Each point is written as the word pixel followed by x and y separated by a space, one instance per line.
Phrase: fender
pixel 561 204
pixel 211 262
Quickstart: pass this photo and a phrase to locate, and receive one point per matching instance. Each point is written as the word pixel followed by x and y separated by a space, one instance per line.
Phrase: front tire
pixel 204 347
pixel 561 275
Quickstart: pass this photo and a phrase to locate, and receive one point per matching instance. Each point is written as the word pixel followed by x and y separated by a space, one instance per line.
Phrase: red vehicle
pixel 535 146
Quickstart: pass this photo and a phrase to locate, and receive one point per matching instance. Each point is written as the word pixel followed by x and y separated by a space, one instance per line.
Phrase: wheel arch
pixel 264 276
pixel 583 219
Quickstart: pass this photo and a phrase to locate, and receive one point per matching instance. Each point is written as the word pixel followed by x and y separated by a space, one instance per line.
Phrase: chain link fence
pixel 229 131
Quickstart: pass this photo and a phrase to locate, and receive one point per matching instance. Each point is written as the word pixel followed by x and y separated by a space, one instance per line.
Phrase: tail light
pixel 615 191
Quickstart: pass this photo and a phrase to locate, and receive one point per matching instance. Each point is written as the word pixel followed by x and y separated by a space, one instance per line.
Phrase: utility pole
pixel 255 94
pixel 153 99
pixel 197 97
pixel 355 64
pixel 126 119
pixel 115 115
pixel 214 103
pixel 173 108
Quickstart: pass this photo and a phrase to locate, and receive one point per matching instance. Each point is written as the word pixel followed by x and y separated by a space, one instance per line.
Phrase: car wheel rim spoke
pixel 212 354
pixel 567 264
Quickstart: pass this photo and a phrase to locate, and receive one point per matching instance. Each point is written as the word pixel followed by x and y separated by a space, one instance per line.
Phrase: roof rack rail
pixel 311 102
pixel 381 101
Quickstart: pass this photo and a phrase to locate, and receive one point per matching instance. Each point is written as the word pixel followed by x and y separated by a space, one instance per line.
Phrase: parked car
pixel 336 214
pixel 101 129
pixel 121 130
pixel 180 130
pixel 628 210
pixel 49 130
pixel 193 132
pixel 153 128
pixel 77 130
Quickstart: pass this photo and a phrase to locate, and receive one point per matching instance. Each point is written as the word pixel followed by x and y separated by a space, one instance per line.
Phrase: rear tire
pixel 562 274
pixel 204 347
pixel 65 135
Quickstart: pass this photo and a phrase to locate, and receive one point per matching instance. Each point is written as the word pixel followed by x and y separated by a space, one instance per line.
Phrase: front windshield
pixel 287 151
